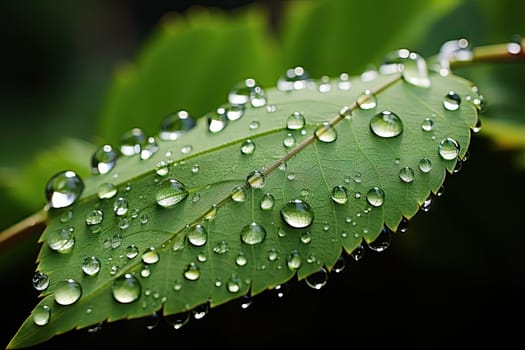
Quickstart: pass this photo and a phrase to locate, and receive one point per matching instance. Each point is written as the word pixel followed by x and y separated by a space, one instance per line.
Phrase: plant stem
pixel 33 224
pixel 497 53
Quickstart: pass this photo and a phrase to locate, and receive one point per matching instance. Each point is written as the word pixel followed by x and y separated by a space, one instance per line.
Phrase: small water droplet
pixel 318 279
pixel 171 193
pixel 234 284
pixel 289 140
pixel 294 79
pixel 452 101
pixel 67 292
pixel 186 149
pixel 448 149
pixel 238 194
pixel 294 260
pixel 149 148
pixel 241 259
pixel 131 142
pixel 132 251
pixel 91 266
pixel 195 169
pixel 95 218
pixel 42 315
pixel 477 128
pixel 375 196
pixel 427 124
pixel 234 112
pixel 412 66
pixel 406 174
pixel 295 121
pixel 103 160
pixel 221 247
pixel 197 235
pixel 218 120
pixel 340 264
pixel 339 194
pixel 178 242
pixel 211 214
pixel 425 165
pixel 386 124
pixel 326 132
pixel 61 240
pixel 126 289
pixel 297 214
pixel 106 190
pixel 175 125
pixel 306 237
pixel 367 100
pixel 255 179
pixel 254 124
pixel 178 320
pixel 63 189
pixel 253 233
pixel 40 281
pixel 192 272
pixel 382 241
pixel 427 204
pixel 267 201
pixel 248 147
pixel 150 256
pixel 273 255
pixel 344 82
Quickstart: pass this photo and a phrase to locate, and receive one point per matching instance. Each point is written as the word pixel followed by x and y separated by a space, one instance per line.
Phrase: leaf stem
pixel 496 53
pixel 32 224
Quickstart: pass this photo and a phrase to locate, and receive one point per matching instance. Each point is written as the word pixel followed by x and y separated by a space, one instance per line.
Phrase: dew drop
pixel 294 79
pixel 126 289
pixel 289 141
pixel 358 253
pixel 221 247
pixel 241 92
pixel 375 197
pixel 339 194
pixel 406 174
pixel 103 160
pixel 241 259
pixel 131 142
pixel 195 169
pixel 149 148
pixel 477 128
pixel 267 202
pixel 382 241
pixel 234 284
pixel 294 260
pixel 238 194
pixel 91 266
pixel 452 101
pixel 63 189
pixel 200 311
pixel 61 240
pixel 412 66
pixel 367 100
pixel 306 237
pixel 178 243
pixel 297 214
pixel 106 190
pixel 132 251
pixel 40 281
pixel 120 206
pixel 427 124
pixel 171 193
pixel 150 256
pixel 42 315
pixel 197 235
pixel 318 279
pixel 234 112
pixel 386 124
pixel 295 121
pixel 344 82
pixel 248 147
pixel 192 272
pixel 253 234
pixel 448 149
pixel 179 320
pixel 95 217
pixel 217 120
pixel 67 292
pixel 254 124
pixel 273 255
pixel 425 165
pixel 255 179
pixel 340 264
pixel 175 125
pixel 187 149
pixel 326 132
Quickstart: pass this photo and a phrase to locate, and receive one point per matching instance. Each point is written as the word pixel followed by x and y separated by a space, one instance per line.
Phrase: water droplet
pixel 382 241
pixel 171 193
pixel 318 279
pixel 339 194
pixel 375 197
pixel 91 266
pixel 103 160
pixel 192 272
pixel 295 121
pixel 61 240
pixel 477 128
pixel 427 204
pixel 253 234
pixel 200 311
pixel 42 315
pixel 95 218
pixel 126 289
pixel 195 169
pixel 425 165
pixel 67 292
pixel 457 50
pixel 247 91
pixel 131 142
pixel 238 194
pixel 294 79
pixel 248 147
pixel 40 281
pixel 386 124
pixel 255 179
pixel 358 253
pixel 412 65
pixel 340 264
pixel 289 141
pixel 294 260
pixel 132 251
pixel 120 207
pixel 326 132
pixel 178 242
pixel 197 235
pixel 448 149
pixel 297 213
pixel 406 174
pixel 63 189
pixel 150 256
pixel 306 237
pixel 221 247
pixel 254 124
pixel 234 112
pixel 267 201
pixel 452 101
pixel 175 125
pixel 344 82
pixel 367 100
pixel 273 255
pixel 241 259
pixel 217 120
pixel 149 148
pixel 106 190
pixel 187 149
pixel 178 320
pixel 234 284
pixel 427 124
pixel 211 214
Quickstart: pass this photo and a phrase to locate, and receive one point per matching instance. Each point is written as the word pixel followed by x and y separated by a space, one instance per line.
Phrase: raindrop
pixel 427 125
pixel 382 241
pixel 61 240
pixel 254 124
pixel 294 79
pixel 339 194
pixel 326 132
pixel 306 237
pixel 41 315
pixel 67 292
pixel 200 311
pixel 149 148
pixel 241 259
pixel 340 264
pixel 91 266
pixel 294 260
pixel 257 97
pixel 297 213
pixel 103 160
pixel 246 91
pixel 425 165
pixel 248 147
pixel 238 194
pixel 289 141
pixel 178 242
pixel 452 101
pixel 325 85
pixel 171 193
pixel 233 284
pixel 131 142
pixel 448 149
pixel 318 279
pixel 406 174
pixel 457 50
pixel 273 255
pixel 234 112
pixel 267 201
pixel 40 281
pixel 192 272
pixel 195 169
pixel 255 179
pixel 386 124
pixel 197 235
pixel 358 253
pixel 344 82
pixel 295 121
pixel 477 128
pixel 95 217
pixel 126 289
pixel 217 120
pixel 132 251
pixel 412 65
pixel 175 125
pixel 221 247
pixel 375 197
pixel 246 301
pixel 187 149
pixel 106 190
pixel 150 256
pixel 63 189
pixel 403 225
pixel 120 207
pixel 178 320
pixel 253 234
pixel 427 204
pixel 367 100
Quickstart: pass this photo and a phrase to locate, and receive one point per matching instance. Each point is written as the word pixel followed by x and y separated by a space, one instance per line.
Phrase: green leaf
pixel 246 249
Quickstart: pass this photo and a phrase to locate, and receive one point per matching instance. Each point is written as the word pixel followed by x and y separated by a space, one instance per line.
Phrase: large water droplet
pixel 339 194
pixel 294 79
pixel 197 235
pixel 175 125
pixel 382 241
pixel 40 281
pixel 318 279
pixel 452 101
pixel 297 214
pixel 91 266
pixel 295 121
pixel 63 189
pixel 248 147
pixel 386 124
pixel 150 256
pixel 267 201
pixel 406 174
pixel 253 234
pixel 412 65
pixel 448 148
pixel 42 315
pixel 326 132
pixel 131 142
pixel 255 179
pixel 171 193
pixel 217 120
pixel 126 289
pixel 103 160
pixel 367 100
pixel 61 240
pixel 67 292
pixel 192 272
pixel 375 197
